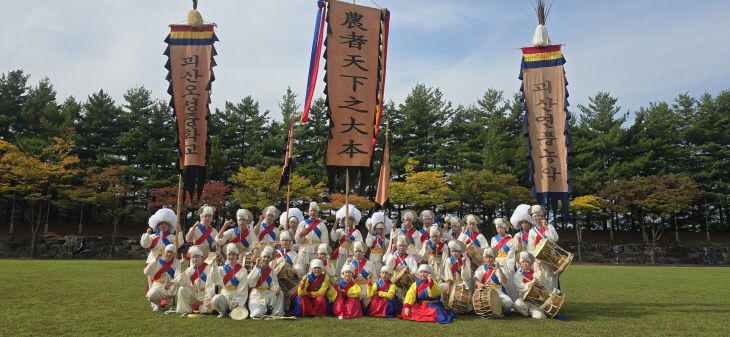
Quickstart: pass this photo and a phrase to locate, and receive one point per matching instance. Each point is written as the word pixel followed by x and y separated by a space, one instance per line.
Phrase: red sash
pixel 157 239
pixel 342 240
pixel 281 253
pixel 162 270
pixel 265 232
pixel 400 259
pixel 196 274
pixel 423 287
pixel 232 273
pixel 455 267
pixel 410 233
pixel 263 277
pixel 542 234
pixel 503 242
pixel 439 247
pixel 527 277
pixel 360 266
pixel 385 286
pixel 347 287
pixel 243 235
pixel 487 275
pixel 311 227
pixel 204 236
pixel 473 236
pixel 377 240
pixel 425 235
pixel 316 283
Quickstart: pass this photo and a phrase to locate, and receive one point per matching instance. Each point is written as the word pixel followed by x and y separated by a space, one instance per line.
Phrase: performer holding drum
pixel 535 299
pixel 457 279
pixel 491 275
pixel 474 240
pixel 404 266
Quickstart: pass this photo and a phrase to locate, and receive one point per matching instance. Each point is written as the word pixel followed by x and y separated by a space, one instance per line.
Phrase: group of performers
pixel 289 269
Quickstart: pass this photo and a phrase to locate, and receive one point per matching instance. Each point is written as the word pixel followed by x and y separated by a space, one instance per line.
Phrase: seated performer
pixel 383 302
pixel 492 275
pixel 162 274
pixel 345 295
pixel 434 248
pixel 241 237
pixel 504 244
pixel 363 269
pixel 290 225
pixel 427 218
pixel 324 256
pixel 401 259
pixel 266 230
pixel 232 279
pixel 457 269
pixel 310 234
pixel 202 233
pixel 197 284
pixel 524 276
pixel 376 240
pixel 412 236
pixel 265 296
pixel 160 234
pixel 522 222
pixel 345 241
pixel 422 302
pixel 310 299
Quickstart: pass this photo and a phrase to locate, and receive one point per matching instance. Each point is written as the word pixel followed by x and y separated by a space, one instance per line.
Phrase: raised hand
pixel 149 230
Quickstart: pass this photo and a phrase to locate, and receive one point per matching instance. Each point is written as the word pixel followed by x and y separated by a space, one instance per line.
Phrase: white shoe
pixel 155 307
pixel 223 314
pixel 184 314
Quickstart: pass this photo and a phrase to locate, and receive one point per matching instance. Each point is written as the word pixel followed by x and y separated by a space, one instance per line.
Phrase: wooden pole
pixel 347 210
pixel 178 229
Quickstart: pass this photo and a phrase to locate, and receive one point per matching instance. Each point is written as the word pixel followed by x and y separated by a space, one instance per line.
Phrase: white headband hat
pixel 525 256
pixel 520 214
pixel 489 251
pixel 313 206
pixel 195 251
pixel 434 231
pixel 348 267
pixel 379 225
pixel 293 213
pixel 352 212
pixel 357 246
pixel 402 241
pixel 501 222
pixel 316 263
pixel 408 214
pixel 426 268
pixel 471 218
pixel 426 215
pixel 284 235
pixel 163 215
pixel 453 245
pixel 386 269
pixel 268 251
pixel 207 210
pixel 323 248
pixel 170 248
pixel 536 210
pixel 244 214
pixel 232 249
pixel 271 210
pixel 454 221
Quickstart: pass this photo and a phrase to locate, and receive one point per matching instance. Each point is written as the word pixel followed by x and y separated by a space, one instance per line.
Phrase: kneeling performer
pixel 490 274
pixel 423 302
pixel 197 284
pixel 310 299
pixel 265 296
pixel 233 282
pixel 164 275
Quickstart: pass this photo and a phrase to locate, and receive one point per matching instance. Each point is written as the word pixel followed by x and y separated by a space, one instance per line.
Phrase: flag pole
pixel 347 210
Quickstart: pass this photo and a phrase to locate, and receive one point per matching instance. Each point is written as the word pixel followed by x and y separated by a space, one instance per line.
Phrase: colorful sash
pixel 377 241
pixel 285 255
pixel 264 276
pixel 267 230
pixel 360 268
pixel 199 273
pixel 409 234
pixel 487 274
pixel 436 249
pixel 205 236
pixel 231 274
pixel 502 243
pixel 455 265
pixel 541 234
pixel 342 240
pixel 401 260
pixel 473 238
pixel 384 286
pixel 424 235
pixel 314 283
pixel 313 227
pixel 345 286
pixel 165 267
pixel 422 288
pixel 157 239
pixel 240 236
pixel 525 236
pixel 527 277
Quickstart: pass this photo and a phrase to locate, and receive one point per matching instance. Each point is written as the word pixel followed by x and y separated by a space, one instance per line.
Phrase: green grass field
pixel 101 298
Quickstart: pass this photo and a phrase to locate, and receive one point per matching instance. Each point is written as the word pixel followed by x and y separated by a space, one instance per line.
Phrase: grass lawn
pixel 101 298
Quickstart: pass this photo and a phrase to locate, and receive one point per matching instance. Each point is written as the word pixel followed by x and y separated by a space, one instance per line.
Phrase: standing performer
pixel 427 218
pixel 265 230
pixel 522 221
pixel 290 225
pixel 310 299
pixel 197 284
pixel 412 236
pixel 474 240
pixel 362 268
pixel 492 275
pixel 324 256
pixel 241 237
pixel 345 241
pixel 162 274
pixel 232 279
pixel 457 269
pixel 401 259
pixel 202 233
pixel 346 296
pixel 265 296
pixel 422 302
pixel 524 276
pixel 456 229
pixel 310 234
pixel 159 235
pixel 376 240
pixel 434 249
pixel 504 244
pixel 383 302
pixel 542 230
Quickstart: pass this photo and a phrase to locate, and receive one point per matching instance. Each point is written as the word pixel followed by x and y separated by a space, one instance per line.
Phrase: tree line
pixel 98 162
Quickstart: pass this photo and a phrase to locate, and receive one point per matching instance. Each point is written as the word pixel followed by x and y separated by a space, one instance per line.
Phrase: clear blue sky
pixel 639 50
